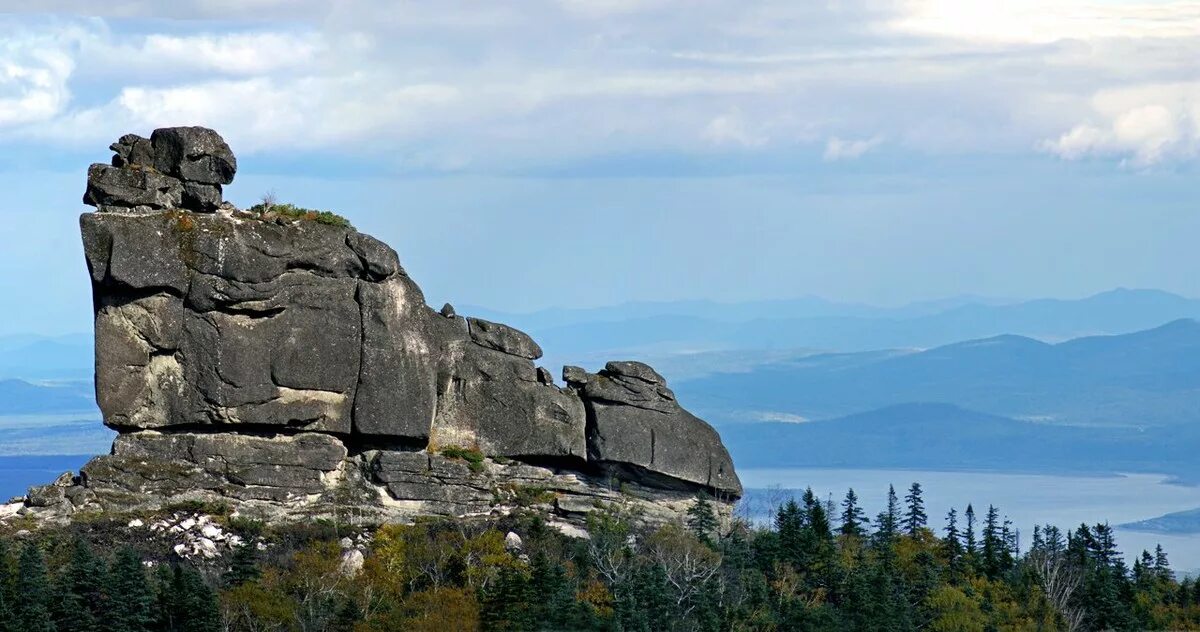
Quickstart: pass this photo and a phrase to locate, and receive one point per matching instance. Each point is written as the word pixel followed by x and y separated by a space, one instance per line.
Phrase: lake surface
pixel 1027 499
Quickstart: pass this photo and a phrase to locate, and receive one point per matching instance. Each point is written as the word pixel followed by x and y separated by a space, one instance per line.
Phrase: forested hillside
pixel 816 567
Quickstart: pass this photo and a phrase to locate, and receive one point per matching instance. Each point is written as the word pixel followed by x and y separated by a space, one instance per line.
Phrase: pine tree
pixel 915 518
pixel 953 547
pixel 508 603
pixel 789 524
pixel 993 543
pixel 7 579
pixel 888 523
pixel 32 597
pixel 702 520
pixel 553 603
pixel 853 517
pixel 243 568
pixel 80 605
pixel 184 603
pixel 969 543
pixel 129 596
pixel 1162 568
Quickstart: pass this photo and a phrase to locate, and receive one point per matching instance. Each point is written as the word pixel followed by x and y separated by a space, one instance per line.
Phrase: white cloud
pixel 544 81
pixel 34 77
pixel 839 149
pixel 1148 124
pixel 732 129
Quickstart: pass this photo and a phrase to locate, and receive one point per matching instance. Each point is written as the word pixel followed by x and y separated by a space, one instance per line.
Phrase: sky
pixel 577 153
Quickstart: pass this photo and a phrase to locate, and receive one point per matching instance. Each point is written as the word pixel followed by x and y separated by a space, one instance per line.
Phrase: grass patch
pixel 271 211
pixel 474 458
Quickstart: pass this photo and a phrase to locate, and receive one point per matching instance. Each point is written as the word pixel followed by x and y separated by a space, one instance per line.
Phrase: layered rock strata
pixel 293 368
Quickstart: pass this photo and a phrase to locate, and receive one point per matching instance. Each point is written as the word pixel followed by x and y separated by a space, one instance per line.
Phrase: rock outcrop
pixel 293 368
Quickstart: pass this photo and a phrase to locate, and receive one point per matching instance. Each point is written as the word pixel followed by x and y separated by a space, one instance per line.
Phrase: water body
pixel 1026 499
pixel 18 473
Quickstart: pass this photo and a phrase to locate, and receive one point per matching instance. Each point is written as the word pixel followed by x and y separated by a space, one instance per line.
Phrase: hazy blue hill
pixel 818 324
pixel 18 397
pixel 1178 523
pixel 1142 379
pixel 33 357
pixel 946 437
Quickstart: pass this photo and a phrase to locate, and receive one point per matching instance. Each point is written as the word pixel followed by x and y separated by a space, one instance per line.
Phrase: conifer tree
pixel 853 517
pixel 129 596
pixel 80 604
pixel 969 544
pixel 7 579
pixel 915 518
pixel 993 544
pixel 1162 568
pixel 702 520
pixel 888 523
pixel 952 545
pixel 243 567
pixel 32 596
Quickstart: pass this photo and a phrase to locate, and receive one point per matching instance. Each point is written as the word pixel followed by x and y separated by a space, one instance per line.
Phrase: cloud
pixel 547 81
pixel 839 149
pixel 1147 124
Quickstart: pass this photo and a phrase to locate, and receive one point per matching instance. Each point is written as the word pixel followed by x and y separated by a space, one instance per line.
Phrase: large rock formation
pixel 292 367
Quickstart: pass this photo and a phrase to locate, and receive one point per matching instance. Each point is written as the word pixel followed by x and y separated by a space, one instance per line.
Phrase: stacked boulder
pixel 176 168
pixel 293 368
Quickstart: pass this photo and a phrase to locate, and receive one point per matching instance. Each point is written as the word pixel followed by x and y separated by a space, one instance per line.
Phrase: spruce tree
pixel 969 544
pixel 702 520
pixel 993 544
pixel 80 603
pixel 243 568
pixel 32 596
pixel 853 517
pixel 953 547
pixel 915 518
pixel 130 599
pixel 789 525
pixel 1162 568
pixel 7 579
pixel 508 603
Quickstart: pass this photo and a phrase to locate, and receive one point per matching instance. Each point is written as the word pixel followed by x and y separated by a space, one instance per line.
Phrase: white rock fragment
pixel 136 524
pixel 513 543
pixel 352 562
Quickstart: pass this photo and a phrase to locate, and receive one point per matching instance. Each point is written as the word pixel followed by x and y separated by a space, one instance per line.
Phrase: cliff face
pixel 291 366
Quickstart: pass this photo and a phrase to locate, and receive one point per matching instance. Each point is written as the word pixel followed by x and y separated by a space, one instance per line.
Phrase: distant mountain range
pixel 655 328
pixel 18 397
pixel 945 437
pixel 1139 380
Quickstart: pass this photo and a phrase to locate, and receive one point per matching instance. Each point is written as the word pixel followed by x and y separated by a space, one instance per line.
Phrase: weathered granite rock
pixel 176 168
pixel 135 189
pixel 194 154
pixel 132 149
pixel 635 422
pixel 293 368
pixel 146 465
pixel 503 338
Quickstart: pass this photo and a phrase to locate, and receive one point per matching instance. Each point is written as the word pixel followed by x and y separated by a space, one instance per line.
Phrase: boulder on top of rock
pixel 176 168
pixel 634 423
pixel 194 154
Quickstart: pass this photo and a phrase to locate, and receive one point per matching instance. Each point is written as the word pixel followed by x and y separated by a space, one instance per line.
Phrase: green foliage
pixel 32 597
pixel 802 572
pixel 129 595
pixel 270 210
pixel 473 457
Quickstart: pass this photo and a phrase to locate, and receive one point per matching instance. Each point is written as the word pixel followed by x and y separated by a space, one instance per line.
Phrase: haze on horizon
pixel 583 153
